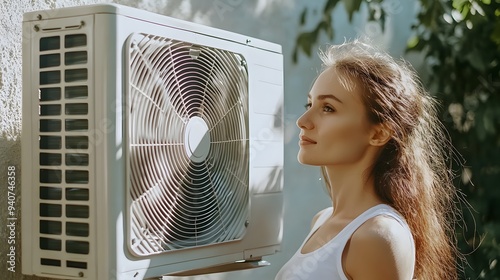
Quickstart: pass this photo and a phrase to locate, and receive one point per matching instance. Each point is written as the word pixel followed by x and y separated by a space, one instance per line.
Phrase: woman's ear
pixel 381 134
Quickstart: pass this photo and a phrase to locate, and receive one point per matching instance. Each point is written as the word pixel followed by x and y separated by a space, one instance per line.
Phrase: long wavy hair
pixel 413 172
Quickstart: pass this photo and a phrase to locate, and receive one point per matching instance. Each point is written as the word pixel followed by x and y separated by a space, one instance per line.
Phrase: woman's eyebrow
pixel 326 96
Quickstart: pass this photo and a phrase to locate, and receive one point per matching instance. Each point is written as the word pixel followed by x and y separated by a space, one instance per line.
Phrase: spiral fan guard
pixel 188 146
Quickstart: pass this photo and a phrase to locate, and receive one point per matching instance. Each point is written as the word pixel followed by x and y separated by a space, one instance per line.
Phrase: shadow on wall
pixel 10 212
pixel 261 19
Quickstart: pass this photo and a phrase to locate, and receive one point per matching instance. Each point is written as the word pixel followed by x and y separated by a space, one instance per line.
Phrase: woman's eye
pixel 328 108
pixel 308 106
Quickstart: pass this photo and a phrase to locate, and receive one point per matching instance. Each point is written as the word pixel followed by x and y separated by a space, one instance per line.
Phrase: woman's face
pixel 334 130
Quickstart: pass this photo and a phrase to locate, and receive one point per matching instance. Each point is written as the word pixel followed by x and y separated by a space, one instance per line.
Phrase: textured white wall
pixel 272 20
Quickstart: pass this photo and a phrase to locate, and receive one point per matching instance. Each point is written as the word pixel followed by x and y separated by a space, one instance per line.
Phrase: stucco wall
pixel 275 21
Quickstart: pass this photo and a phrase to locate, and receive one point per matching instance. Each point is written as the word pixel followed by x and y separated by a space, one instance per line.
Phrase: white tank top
pixel 317 264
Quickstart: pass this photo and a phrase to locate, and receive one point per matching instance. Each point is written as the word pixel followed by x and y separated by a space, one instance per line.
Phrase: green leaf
pixel 465 10
pixel 495 34
pixel 303 16
pixel 330 5
pixel 306 40
pixel 352 6
pixel 382 20
pixel 327 26
pixel 412 42
pixel 459 4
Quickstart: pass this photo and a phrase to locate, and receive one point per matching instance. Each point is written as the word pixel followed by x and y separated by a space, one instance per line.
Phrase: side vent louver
pixel 64 155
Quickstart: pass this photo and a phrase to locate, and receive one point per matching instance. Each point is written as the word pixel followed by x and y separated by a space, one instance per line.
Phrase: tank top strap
pixel 377 210
pixel 345 234
pixel 327 212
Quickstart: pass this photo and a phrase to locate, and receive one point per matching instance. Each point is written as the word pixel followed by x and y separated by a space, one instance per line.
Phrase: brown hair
pixel 412 173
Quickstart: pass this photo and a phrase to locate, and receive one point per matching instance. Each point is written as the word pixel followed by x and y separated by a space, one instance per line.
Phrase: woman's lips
pixel 306 141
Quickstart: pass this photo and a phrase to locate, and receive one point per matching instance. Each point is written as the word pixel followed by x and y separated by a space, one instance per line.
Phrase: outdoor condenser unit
pixel 150 145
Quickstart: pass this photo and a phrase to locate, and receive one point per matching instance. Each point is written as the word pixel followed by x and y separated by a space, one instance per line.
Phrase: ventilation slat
pixel 50 262
pixel 50 227
pixel 77 229
pixel 77 142
pixel 75 264
pixel 50 142
pixel 77 194
pixel 76 125
pixel 50 125
pixel 73 58
pixel 50 43
pixel 77 176
pixel 50 110
pixel 75 75
pixel 50 60
pixel 77 247
pixel 50 193
pixel 50 176
pixel 77 159
pixel 50 77
pixel 50 94
pixel 77 211
pixel 76 92
pixel 75 40
pixel 77 109
pixel 50 244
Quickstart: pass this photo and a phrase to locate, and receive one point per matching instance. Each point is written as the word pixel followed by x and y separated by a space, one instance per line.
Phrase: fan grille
pixel 188 145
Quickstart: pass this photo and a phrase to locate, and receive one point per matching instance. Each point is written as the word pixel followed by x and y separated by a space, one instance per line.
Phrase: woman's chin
pixel 306 161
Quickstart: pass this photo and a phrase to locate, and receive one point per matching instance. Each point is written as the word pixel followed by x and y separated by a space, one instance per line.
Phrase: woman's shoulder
pixel 384 229
pixel 382 241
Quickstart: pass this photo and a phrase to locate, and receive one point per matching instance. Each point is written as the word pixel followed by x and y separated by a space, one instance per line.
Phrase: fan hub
pixel 197 139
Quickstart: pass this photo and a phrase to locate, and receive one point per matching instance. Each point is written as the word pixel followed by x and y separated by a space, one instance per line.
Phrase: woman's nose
pixel 304 122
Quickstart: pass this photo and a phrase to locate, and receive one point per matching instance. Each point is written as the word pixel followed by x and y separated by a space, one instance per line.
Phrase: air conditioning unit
pixel 150 145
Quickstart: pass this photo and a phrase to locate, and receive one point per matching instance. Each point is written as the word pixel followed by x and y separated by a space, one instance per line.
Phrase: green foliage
pixel 460 40
pixel 306 40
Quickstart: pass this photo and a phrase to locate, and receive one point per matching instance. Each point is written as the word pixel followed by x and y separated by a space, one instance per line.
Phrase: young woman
pixel 374 131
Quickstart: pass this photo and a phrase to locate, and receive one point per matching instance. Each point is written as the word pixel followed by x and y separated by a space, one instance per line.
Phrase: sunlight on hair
pixel 412 173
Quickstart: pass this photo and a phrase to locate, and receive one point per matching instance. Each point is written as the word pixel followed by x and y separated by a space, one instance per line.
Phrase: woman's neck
pixel 352 191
